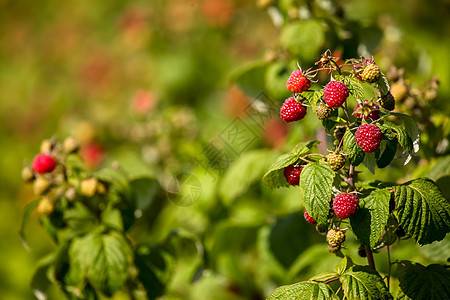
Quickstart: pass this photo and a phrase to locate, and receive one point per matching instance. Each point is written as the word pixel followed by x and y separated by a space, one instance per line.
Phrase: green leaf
pixel 362 282
pixel 303 39
pixel 303 291
pixel 312 97
pixel 388 154
pixel 400 133
pixel 274 177
pixel 316 181
pixel 411 129
pixel 383 84
pixel 144 191
pixel 441 168
pixel 112 218
pixel 344 265
pixel 246 170
pixel 370 162
pixel 369 221
pixel 349 147
pixel 420 282
pixel 154 266
pixel 355 87
pixel 275 79
pixel 102 259
pixel 79 219
pixel 422 210
pixel 28 209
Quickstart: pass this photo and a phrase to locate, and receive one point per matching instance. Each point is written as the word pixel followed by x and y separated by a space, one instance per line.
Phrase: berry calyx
pixel 45 207
pixel 388 101
pixel 345 205
pixel 292 110
pixel 367 110
pixel 297 82
pixel 336 161
pixel 323 111
pixel 43 163
pixel 335 93
pixel 308 218
pixel 371 73
pixel 368 137
pixel 41 186
pixel 292 174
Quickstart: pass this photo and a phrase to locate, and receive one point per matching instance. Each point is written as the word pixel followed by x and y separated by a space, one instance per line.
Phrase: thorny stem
pixel 389 270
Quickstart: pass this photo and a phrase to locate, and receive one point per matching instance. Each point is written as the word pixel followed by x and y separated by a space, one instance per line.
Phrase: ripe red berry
pixel 292 110
pixel 297 82
pixel 308 218
pixel 335 93
pixel 345 205
pixel 367 110
pixel 368 137
pixel 43 163
pixel 292 174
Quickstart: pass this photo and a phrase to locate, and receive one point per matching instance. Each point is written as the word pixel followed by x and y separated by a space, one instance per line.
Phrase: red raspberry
pixel 297 82
pixel 368 137
pixel 366 110
pixel 292 174
pixel 345 205
pixel 292 110
pixel 308 218
pixel 43 163
pixel 335 93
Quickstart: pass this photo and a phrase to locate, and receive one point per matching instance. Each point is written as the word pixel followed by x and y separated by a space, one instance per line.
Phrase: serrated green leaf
pixel 28 209
pixel 420 282
pixel 422 210
pixel 441 168
pixel 402 136
pixel 102 259
pixel 369 221
pixel 344 265
pixel 349 147
pixel 355 87
pixel 250 78
pixel 274 177
pixel 383 84
pixel 370 162
pixel 303 39
pixel 303 291
pixel 324 277
pixel 275 77
pixel 316 181
pixel 362 282
pixel 388 154
pixel 312 97
pixel 246 170
pixel 411 128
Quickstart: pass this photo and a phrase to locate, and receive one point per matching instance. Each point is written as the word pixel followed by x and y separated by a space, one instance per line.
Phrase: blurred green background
pixel 158 83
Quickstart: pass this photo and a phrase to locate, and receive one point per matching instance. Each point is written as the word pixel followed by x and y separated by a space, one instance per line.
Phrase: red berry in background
pixel 367 110
pixel 297 82
pixel 92 154
pixel 345 205
pixel 143 102
pixel 292 174
pixel 308 218
pixel 43 163
pixel 335 93
pixel 292 110
pixel 368 137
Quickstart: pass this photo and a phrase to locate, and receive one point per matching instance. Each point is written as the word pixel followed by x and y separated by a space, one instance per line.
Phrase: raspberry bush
pixel 378 213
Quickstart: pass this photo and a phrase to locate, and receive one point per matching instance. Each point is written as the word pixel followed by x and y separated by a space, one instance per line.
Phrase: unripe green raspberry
pixel 334 249
pixel 335 237
pixel 41 186
pixel 27 174
pixel 70 145
pixel 89 187
pixel 336 161
pixel 323 111
pixel 371 73
pixel 45 206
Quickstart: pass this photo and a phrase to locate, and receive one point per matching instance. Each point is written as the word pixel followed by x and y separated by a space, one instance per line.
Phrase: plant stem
pixel 370 257
pixel 331 280
pixel 389 270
